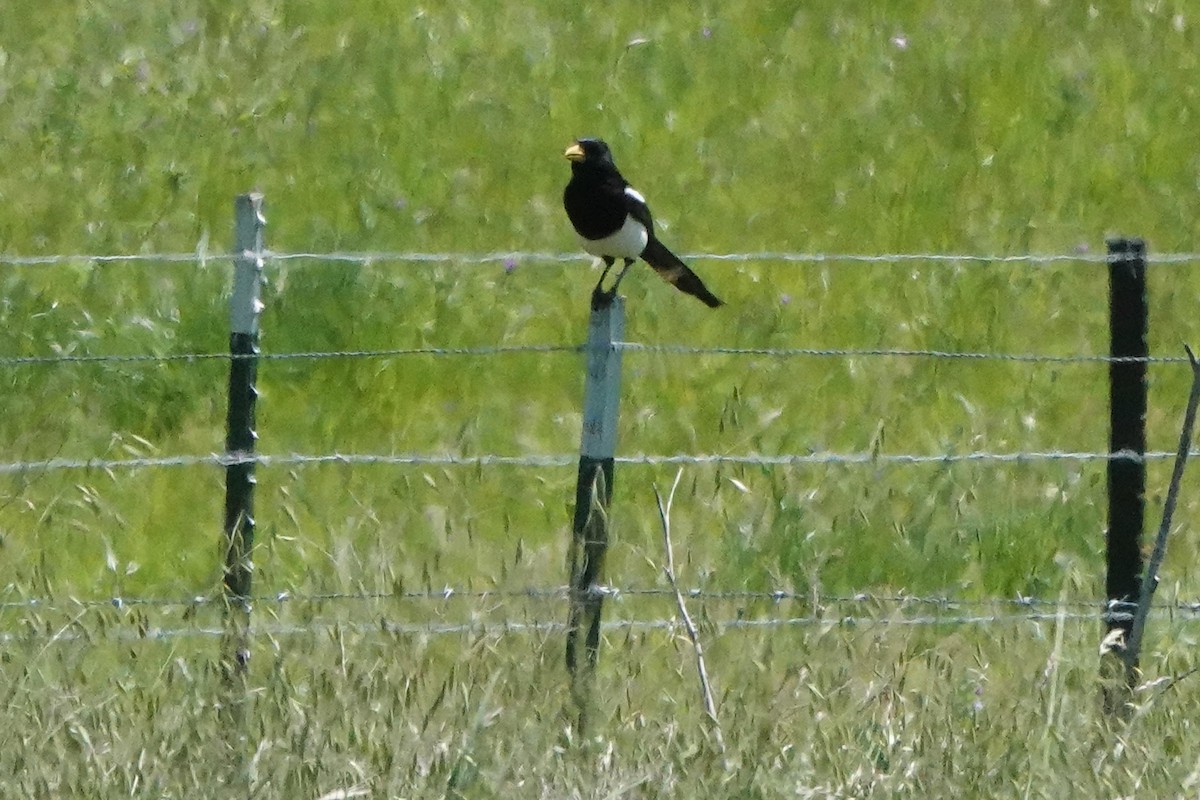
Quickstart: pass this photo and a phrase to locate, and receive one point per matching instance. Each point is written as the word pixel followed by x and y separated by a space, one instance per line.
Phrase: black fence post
pixel 240 438
pixel 593 493
pixel 1128 325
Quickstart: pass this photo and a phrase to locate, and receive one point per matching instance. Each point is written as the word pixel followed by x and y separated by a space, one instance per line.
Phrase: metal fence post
pixel 1128 326
pixel 245 306
pixel 593 493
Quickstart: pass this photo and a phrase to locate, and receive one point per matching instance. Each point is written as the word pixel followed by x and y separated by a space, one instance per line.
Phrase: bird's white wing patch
pixel 635 194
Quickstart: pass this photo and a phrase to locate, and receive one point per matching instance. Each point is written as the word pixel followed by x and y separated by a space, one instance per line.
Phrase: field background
pixel 975 127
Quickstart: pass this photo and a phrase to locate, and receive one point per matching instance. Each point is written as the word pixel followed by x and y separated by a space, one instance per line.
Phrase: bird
pixel 613 221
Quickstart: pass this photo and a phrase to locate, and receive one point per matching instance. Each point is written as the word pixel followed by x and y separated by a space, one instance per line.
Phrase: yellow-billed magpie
pixel 613 221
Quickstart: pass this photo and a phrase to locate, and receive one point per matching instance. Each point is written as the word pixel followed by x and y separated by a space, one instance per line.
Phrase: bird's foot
pixel 602 299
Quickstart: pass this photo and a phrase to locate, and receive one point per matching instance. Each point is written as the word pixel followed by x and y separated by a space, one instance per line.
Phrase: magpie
pixel 613 221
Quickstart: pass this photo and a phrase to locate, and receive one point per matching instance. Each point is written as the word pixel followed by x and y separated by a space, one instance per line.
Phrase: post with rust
pixel 245 305
pixel 593 494
pixel 1128 326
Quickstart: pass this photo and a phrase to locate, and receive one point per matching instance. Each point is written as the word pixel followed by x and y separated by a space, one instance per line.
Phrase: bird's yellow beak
pixel 574 152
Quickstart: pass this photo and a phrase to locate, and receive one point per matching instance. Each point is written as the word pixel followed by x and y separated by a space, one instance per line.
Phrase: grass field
pixel 911 127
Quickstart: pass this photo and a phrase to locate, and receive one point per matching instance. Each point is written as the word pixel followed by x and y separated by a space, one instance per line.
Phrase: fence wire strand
pixel 840 352
pixel 515 257
pixel 564 460
pixel 558 594
pixel 384 626
pixel 516 349
pixel 315 355
pixel 829 610
pixel 485 628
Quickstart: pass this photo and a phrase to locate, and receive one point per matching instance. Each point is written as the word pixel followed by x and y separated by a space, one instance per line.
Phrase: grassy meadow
pixel 905 127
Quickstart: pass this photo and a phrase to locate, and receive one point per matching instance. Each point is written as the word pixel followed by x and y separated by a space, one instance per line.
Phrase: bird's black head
pixel 589 153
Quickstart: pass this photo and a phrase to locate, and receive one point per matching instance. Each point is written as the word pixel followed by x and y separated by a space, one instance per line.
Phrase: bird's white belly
pixel 629 242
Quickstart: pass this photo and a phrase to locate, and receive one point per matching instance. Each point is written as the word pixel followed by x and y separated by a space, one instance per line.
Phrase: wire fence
pixel 824 609
pixel 497 629
pixel 862 609
pixel 637 347
pixel 514 257
pixel 533 257
pixel 535 460
pixel 556 594
pixel 398 352
pixel 561 460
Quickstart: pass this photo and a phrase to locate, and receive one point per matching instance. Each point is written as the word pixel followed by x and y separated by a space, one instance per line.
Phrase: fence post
pixel 1128 326
pixel 593 493
pixel 245 306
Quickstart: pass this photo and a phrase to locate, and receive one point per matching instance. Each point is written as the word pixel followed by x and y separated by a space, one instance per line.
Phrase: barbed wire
pixel 15 260
pixel 294 459
pixel 478 350
pixel 382 626
pixel 494 350
pixel 558 594
pixel 563 460
pixel 947 612
pixel 841 352
pixel 514 257
pixel 542 257
pixel 756 460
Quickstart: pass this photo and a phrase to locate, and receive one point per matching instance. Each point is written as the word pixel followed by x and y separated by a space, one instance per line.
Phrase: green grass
pixel 920 126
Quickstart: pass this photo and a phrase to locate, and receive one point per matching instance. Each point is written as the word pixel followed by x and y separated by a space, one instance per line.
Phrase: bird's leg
pixel 621 274
pixel 608 264
pixel 601 298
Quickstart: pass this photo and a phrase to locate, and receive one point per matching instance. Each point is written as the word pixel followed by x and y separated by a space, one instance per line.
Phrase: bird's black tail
pixel 676 273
